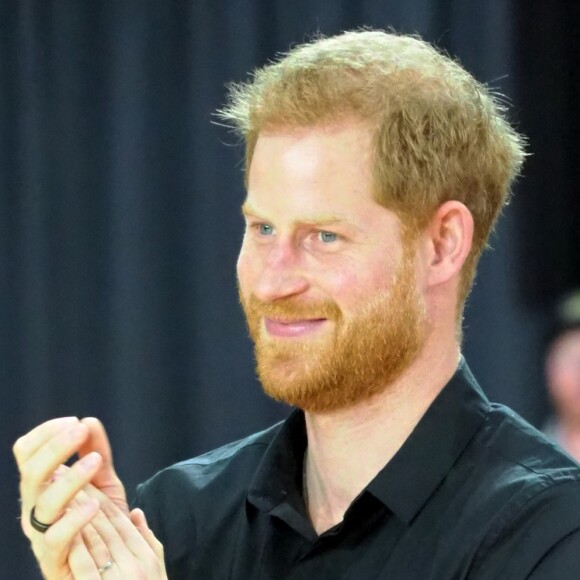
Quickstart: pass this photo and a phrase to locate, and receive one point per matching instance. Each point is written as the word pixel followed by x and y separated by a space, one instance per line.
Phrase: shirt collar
pixel 279 473
pixel 412 475
pixel 405 484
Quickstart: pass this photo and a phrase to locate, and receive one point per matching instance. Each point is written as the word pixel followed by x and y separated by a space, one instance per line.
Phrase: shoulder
pixel 184 500
pixel 535 488
pixel 511 441
pixel 523 462
pixel 204 472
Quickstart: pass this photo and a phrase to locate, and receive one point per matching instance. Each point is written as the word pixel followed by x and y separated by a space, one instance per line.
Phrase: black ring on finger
pixel 38 526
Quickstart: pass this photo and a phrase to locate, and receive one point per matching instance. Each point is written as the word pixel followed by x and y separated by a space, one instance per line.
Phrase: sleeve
pixel 561 562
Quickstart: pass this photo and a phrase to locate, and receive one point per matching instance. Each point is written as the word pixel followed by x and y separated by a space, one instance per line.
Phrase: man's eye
pixel 265 229
pixel 328 237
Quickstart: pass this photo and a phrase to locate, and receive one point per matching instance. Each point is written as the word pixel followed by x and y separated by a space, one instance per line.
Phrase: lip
pixel 292 328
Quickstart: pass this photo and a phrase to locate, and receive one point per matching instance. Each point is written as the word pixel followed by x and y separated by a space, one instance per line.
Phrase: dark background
pixel 119 220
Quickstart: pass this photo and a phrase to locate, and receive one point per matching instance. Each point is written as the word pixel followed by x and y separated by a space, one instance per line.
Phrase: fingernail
pixel 78 432
pixel 74 433
pixel 58 472
pixel 91 460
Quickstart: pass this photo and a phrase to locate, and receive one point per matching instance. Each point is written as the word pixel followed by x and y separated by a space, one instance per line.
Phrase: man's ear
pixel 449 237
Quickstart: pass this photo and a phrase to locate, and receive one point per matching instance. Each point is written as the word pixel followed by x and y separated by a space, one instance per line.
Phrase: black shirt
pixel 474 492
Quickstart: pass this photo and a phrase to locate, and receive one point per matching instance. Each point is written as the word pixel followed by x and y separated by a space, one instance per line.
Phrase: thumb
pixel 106 478
pixel 140 521
pixel 96 440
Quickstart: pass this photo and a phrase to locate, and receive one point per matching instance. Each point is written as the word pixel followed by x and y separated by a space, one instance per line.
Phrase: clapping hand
pixel 77 518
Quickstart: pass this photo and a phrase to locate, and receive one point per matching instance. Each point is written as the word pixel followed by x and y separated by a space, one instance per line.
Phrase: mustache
pixel 292 308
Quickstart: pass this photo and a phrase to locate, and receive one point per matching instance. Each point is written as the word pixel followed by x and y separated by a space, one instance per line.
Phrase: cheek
pixel 350 286
pixel 245 269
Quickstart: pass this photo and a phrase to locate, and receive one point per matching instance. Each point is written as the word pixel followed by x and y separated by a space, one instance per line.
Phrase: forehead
pixel 312 146
pixel 324 168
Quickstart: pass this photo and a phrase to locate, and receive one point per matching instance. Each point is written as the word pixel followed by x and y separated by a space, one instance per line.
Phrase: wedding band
pixel 38 526
pixel 105 567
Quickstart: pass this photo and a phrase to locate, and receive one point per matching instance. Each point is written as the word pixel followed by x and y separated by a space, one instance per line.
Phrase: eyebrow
pixel 323 220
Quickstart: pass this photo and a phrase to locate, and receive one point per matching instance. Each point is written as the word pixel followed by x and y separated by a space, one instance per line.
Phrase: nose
pixel 281 275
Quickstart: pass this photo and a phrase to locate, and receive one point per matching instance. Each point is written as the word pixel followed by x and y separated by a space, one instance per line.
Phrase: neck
pixel 347 448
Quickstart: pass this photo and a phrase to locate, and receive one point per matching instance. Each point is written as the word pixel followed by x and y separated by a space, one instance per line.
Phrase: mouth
pixel 292 328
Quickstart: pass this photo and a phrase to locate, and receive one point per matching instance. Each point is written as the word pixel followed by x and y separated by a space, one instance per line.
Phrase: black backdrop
pixel 119 221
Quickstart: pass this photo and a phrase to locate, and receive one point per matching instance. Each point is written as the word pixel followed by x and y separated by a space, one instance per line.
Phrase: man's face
pixel 327 286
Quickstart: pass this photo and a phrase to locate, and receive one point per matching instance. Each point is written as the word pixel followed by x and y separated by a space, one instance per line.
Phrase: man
pixel 376 168
pixel 563 375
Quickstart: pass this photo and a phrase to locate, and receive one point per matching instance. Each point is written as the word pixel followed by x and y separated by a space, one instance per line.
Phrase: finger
pixel 97 440
pixel 52 502
pixel 120 552
pixel 140 521
pixel 95 545
pixel 138 518
pixel 53 547
pixel 125 542
pixel 97 549
pixel 28 444
pixel 26 514
pixel 124 529
pixel 41 466
pixel 128 548
pixel 81 562
pixel 59 472
pixel 113 521
pixel 106 478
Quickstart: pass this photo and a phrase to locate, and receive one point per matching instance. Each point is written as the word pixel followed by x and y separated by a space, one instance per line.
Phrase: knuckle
pixel 26 527
pixel 56 445
pixel 109 510
pixel 53 540
pixel 73 477
pixel 18 448
pixel 83 569
pixel 29 474
pixel 25 469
